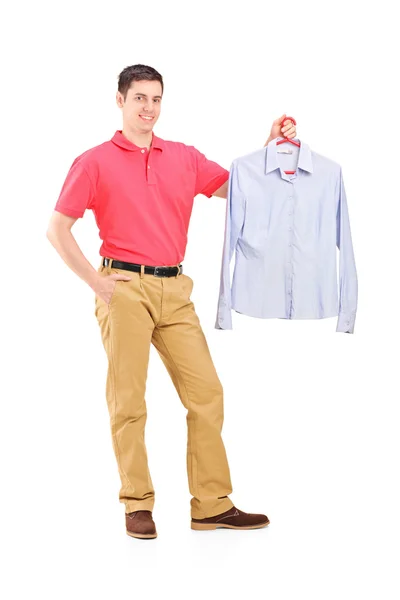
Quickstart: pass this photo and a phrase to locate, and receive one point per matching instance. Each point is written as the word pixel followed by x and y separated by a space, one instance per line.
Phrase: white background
pixel 311 415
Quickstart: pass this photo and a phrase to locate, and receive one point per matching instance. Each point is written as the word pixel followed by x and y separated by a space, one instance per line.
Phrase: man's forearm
pixel 67 247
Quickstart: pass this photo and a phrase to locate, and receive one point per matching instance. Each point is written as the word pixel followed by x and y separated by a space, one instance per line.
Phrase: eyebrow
pixel 145 95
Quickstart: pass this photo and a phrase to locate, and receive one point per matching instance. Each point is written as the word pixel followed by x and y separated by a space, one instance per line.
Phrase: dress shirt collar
pixel 304 162
pixel 120 140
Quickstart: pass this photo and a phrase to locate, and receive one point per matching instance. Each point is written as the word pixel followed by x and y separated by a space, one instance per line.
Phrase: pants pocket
pixel 188 284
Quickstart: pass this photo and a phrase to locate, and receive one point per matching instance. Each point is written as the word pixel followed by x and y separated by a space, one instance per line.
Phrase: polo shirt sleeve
pixel 77 193
pixel 209 175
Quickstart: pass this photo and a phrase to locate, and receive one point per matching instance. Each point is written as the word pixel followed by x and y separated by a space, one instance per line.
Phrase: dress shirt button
pixel 148 166
pixel 289 244
pixel 290 229
pixel 142 151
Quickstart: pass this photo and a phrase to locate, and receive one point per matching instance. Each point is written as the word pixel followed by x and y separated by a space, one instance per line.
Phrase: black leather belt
pixel 161 271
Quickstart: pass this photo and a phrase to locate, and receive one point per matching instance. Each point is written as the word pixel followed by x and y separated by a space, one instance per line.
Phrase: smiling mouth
pixel 146 118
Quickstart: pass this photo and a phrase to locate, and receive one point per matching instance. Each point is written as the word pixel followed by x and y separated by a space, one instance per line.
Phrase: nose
pixel 149 108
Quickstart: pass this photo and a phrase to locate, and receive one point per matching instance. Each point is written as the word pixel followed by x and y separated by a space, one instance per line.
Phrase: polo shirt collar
pixel 304 162
pixel 120 140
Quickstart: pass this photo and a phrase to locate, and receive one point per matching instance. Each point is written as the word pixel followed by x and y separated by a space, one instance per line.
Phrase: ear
pixel 119 99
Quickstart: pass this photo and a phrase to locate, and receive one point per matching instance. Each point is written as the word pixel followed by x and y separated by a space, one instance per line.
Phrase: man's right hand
pixel 105 285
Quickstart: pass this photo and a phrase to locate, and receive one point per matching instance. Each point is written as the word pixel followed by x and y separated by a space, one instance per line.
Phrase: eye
pixel 156 100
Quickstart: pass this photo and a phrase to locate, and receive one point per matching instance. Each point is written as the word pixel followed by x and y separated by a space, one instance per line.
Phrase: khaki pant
pixel 158 310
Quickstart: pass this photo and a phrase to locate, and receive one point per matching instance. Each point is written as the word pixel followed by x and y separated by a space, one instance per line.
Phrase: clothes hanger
pixel 290 141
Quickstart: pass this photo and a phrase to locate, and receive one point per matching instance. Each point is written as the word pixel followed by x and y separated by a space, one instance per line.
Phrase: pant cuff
pixel 221 506
pixel 138 505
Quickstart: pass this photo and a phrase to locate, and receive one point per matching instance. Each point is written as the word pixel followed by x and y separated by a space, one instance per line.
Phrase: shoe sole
pixel 142 535
pixel 211 526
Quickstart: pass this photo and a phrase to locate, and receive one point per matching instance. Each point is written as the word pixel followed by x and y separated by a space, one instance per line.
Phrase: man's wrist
pixel 93 280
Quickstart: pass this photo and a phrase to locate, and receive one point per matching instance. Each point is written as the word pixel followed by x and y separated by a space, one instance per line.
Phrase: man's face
pixel 143 99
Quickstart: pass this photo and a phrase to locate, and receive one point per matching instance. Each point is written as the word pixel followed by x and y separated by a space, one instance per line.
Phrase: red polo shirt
pixel 141 199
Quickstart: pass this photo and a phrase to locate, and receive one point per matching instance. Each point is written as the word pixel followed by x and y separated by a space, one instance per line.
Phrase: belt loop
pixel 109 265
pixel 176 276
pixel 141 275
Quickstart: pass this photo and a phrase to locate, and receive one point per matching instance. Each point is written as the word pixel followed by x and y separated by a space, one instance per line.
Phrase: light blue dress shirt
pixel 284 230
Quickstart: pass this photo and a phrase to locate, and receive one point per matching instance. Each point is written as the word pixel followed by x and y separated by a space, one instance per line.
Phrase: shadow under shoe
pixel 231 519
pixel 140 524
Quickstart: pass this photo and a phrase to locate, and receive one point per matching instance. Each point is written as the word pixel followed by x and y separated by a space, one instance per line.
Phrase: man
pixel 141 190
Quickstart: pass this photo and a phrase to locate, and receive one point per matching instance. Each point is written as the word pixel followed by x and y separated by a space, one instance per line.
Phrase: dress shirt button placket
pixel 290 261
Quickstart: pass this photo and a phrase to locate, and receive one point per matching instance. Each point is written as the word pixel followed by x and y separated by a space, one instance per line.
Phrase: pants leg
pixel 126 326
pixel 182 346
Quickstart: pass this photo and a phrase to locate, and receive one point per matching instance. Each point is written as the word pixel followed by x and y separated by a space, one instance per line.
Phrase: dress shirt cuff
pixel 224 319
pixel 345 322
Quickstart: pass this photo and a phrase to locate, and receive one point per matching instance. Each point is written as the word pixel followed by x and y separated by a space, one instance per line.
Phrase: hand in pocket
pixel 106 284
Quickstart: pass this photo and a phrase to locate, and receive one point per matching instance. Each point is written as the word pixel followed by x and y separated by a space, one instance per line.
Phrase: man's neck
pixel 140 139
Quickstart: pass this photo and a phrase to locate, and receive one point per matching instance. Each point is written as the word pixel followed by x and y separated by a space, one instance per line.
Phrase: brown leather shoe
pixel 231 519
pixel 140 524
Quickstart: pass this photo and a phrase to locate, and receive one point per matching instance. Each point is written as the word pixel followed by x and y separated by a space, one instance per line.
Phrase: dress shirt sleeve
pixel 77 192
pixel 209 175
pixel 235 212
pixel 348 284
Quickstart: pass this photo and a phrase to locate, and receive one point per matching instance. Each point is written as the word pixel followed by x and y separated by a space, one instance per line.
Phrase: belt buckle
pixel 156 272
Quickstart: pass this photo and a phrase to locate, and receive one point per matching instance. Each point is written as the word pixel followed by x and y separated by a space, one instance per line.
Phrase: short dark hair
pixel 137 73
